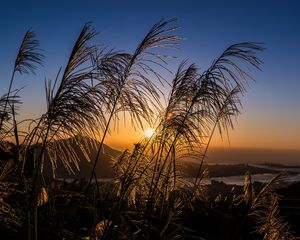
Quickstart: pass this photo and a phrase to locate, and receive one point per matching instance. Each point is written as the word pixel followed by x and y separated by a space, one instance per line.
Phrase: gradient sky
pixel 271 108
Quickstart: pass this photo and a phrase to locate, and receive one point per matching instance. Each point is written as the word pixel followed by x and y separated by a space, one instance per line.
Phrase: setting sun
pixel 149 132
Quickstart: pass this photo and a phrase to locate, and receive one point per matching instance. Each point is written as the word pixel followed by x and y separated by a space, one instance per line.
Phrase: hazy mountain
pixel 218 156
pixel 104 167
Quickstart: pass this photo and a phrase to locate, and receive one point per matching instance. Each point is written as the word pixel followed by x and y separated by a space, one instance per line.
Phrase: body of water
pixel 238 180
pixel 264 178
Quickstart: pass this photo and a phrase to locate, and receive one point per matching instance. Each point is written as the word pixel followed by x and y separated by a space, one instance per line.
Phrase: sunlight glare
pixel 149 132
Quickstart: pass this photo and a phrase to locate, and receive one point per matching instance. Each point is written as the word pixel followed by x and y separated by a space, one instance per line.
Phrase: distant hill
pixel 103 168
pixel 253 155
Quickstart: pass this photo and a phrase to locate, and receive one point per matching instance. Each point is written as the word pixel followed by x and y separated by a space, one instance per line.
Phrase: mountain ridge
pixel 103 169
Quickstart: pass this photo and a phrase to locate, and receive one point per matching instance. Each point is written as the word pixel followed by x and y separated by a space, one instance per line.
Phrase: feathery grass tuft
pixel 29 55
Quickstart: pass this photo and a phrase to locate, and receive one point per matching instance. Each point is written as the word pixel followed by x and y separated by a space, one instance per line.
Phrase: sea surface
pixel 238 180
pixel 265 177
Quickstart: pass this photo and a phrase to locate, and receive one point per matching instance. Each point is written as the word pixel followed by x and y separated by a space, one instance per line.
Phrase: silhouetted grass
pixel 149 198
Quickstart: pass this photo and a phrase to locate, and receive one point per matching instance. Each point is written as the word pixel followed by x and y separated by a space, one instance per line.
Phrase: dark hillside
pixel 103 168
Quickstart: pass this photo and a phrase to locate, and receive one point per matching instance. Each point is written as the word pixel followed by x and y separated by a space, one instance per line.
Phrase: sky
pixel 270 117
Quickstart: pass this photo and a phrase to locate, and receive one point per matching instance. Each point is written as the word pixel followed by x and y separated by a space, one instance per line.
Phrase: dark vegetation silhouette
pixel 149 198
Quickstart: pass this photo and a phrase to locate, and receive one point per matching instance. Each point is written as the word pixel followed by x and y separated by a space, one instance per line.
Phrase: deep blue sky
pixel 271 113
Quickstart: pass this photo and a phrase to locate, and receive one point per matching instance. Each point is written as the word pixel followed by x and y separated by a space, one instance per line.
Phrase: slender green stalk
pixel 28 212
pixel 152 190
pixel 99 150
pixel 16 133
pixel 33 192
pixel 27 58
pixel 35 222
pixel 228 101
pixel 7 98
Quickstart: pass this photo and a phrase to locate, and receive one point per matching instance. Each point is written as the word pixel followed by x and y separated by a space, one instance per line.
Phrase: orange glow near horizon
pixel 240 137
pixel 251 130
pixel 248 133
